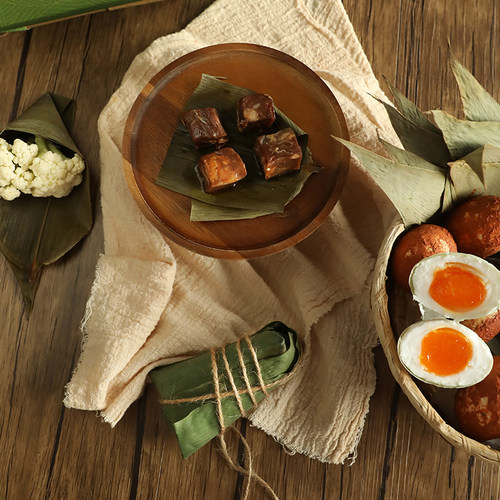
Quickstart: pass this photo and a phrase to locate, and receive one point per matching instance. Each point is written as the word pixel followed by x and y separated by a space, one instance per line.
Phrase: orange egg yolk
pixel 445 351
pixel 457 288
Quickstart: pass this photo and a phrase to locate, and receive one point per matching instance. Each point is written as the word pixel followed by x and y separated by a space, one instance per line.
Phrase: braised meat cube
pixel 221 169
pixel 204 127
pixel 278 153
pixel 255 112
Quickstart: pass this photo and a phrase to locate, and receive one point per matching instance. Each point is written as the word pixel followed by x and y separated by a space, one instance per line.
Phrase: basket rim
pixel 379 305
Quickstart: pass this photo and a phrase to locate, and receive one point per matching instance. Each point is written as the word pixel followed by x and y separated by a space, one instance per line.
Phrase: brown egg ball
pixel 475 225
pixel 487 327
pixel 414 245
pixel 477 408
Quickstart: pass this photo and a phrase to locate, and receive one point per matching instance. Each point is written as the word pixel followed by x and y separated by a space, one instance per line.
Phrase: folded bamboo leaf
pixel 45 118
pixel 38 231
pixel 448 195
pixel 464 182
pixel 409 110
pixel 178 172
pixel 463 136
pixel 187 387
pixel 415 191
pixel 418 140
pixel 491 172
pixel 409 158
pixel 478 104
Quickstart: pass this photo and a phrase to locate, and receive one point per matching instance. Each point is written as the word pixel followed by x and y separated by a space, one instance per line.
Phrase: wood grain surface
pixel 49 452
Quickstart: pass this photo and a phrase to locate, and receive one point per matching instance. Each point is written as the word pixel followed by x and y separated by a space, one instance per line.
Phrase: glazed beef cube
pixel 255 112
pixel 204 127
pixel 220 169
pixel 278 153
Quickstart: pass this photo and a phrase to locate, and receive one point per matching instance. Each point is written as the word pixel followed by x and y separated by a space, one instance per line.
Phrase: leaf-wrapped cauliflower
pixel 37 168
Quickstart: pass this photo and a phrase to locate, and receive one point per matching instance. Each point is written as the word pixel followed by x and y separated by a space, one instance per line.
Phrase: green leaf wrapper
pixel 38 231
pixel 196 422
pixel 253 196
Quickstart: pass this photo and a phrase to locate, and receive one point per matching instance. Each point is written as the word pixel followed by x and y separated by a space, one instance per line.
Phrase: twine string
pixel 248 469
pixel 217 395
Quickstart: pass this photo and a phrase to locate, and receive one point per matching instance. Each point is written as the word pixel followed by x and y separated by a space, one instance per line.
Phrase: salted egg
pixel 444 353
pixel 456 285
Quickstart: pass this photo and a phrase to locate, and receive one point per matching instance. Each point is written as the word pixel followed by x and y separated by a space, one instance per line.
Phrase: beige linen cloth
pixel 152 300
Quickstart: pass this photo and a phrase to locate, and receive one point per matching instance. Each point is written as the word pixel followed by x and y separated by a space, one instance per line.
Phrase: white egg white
pixel 410 347
pixel 422 275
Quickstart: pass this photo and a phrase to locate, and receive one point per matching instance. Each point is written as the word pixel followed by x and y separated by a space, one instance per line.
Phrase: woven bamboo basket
pixel 381 311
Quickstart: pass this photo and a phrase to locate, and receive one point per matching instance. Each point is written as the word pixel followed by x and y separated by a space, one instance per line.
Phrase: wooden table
pixel 47 451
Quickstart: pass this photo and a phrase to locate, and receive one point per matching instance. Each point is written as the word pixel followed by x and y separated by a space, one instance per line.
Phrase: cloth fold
pixel 153 301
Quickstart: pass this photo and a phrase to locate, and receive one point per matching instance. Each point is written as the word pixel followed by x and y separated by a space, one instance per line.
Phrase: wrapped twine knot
pixel 217 395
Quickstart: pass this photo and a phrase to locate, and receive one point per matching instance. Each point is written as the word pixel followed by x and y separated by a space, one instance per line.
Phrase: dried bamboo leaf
pixel 463 136
pixel 485 161
pixel 478 104
pixel 409 158
pixel 491 173
pixel 415 191
pixel 195 422
pixel 418 140
pixel 464 182
pixel 409 110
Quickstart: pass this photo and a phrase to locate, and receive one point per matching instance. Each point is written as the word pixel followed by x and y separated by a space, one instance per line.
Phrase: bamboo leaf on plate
pixel 253 194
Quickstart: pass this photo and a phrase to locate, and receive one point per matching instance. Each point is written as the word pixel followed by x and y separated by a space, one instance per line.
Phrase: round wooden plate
pixel 297 91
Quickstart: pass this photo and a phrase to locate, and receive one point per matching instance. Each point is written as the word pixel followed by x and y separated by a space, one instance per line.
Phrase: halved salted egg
pixel 456 285
pixel 444 353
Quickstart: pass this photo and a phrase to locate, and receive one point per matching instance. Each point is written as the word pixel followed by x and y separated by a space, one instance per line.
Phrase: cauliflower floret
pixel 9 193
pixel 6 157
pixel 39 169
pixel 22 180
pixel 7 168
pixel 55 175
pixel 24 153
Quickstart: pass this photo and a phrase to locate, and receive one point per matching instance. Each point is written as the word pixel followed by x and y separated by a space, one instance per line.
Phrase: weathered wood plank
pixel 47 451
